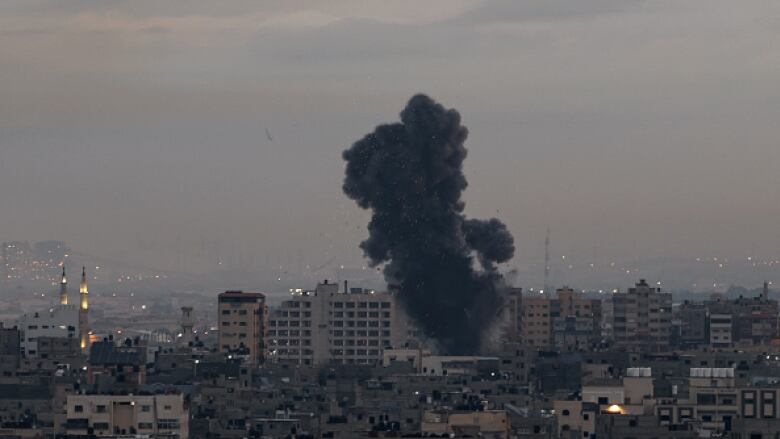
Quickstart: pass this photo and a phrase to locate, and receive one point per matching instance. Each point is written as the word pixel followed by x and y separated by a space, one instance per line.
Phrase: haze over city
pixel 365 219
pixel 189 136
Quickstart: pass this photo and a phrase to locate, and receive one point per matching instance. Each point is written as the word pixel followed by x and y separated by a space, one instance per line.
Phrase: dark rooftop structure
pixel 25 391
pixel 107 353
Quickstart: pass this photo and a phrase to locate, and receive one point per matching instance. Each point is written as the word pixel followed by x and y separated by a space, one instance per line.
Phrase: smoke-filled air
pixel 444 265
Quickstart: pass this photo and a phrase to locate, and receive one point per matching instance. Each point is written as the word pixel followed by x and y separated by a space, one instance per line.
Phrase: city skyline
pixel 368 219
pixel 198 126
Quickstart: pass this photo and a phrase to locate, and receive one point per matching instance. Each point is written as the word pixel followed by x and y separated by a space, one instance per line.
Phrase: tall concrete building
pixel 642 318
pixel 753 319
pixel 511 316
pixel 243 319
pixel 567 322
pixel 536 324
pixel 327 326
pixel 576 320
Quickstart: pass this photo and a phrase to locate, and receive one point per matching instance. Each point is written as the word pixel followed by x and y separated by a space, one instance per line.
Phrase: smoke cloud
pixel 410 175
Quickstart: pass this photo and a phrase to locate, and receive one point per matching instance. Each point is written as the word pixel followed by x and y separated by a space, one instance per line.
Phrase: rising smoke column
pixel 410 175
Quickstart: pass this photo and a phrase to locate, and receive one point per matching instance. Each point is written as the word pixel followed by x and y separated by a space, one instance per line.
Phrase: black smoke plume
pixel 410 175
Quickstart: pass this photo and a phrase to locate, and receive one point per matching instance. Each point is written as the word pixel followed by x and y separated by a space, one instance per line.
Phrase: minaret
pixel 64 288
pixel 187 335
pixel 83 309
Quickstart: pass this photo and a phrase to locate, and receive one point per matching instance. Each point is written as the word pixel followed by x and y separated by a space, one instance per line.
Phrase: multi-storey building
pixel 536 325
pixel 567 322
pixel 10 353
pixel 693 324
pixel 152 416
pixel 243 319
pixel 754 319
pixel 642 318
pixel 299 328
pixel 54 352
pixel 607 319
pixel 511 316
pixel 328 326
pixel 576 320
pixel 720 330
pixel 59 321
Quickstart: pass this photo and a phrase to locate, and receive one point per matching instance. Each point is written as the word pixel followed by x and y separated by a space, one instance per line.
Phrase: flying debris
pixel 409 174
pixel 268 135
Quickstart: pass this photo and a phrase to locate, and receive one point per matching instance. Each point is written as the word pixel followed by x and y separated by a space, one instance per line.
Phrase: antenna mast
pixel 547 262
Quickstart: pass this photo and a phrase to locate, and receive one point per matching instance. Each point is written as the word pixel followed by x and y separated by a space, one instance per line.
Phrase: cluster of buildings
pixel 339 362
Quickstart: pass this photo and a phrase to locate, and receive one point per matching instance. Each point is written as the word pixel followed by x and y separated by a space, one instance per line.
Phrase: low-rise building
pixel 491 424
pixel 115 368
pixel 152 416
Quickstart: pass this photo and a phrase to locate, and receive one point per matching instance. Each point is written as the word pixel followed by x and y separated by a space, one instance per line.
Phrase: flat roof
pixel 239 297
pixel 246 294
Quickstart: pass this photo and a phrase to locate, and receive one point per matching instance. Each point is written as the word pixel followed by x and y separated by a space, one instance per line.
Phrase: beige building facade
pixel 243 319
pixel 153 416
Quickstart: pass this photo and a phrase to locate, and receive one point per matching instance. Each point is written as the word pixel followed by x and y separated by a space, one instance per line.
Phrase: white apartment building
pixel 58 321
pixel 151 416
pixel 329 326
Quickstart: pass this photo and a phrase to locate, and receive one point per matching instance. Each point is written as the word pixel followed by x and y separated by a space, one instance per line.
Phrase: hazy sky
pixel 630 128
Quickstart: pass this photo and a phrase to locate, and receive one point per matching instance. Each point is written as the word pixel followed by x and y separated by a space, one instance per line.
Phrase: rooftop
pixel 241 295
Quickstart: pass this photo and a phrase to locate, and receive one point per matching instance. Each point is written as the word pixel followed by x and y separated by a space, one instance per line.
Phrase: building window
pixel 168 424
pixel 146 408
pixel 100 409
pixel 78 409
pixel 705 399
